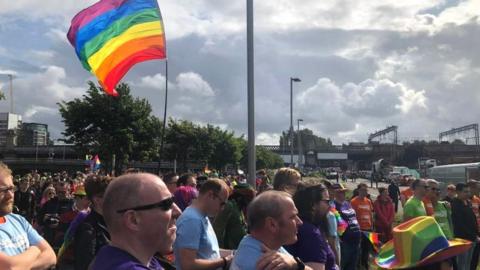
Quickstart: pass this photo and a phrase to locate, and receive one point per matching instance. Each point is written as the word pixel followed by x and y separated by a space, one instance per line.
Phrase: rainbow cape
pixel 70 234
pixel 341 224
pixel 373 238
pixel 111 36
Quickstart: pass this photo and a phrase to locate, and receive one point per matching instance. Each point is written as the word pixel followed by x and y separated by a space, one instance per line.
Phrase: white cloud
pixel 193 83
pixel 30 113
pixel 189 83
pixel 267 138
pixel 7 72
pixel 410 63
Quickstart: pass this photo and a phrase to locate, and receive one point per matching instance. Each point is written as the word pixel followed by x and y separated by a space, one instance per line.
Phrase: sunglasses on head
pixel 165 205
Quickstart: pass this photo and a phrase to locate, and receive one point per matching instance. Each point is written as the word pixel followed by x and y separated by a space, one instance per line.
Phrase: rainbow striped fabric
pixel 113 35
pixel 373 238
pixel 418 241
pixel 341 223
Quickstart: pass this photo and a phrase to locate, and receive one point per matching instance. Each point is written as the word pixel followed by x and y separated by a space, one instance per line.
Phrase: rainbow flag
pixel 341 223
pixel 96 163
pixel 69 236
pixel 373 238
pixel 113 35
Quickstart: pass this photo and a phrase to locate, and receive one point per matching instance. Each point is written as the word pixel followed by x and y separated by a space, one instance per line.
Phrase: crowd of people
pixel 191 221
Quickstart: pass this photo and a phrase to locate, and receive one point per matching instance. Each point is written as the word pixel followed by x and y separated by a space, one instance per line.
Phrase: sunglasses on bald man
pixel 165 205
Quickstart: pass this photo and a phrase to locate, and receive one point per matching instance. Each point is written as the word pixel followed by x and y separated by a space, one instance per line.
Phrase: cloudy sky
pixel 364 64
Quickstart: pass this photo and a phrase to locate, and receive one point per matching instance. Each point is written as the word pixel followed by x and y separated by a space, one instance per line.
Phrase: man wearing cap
pixel 21 247
pixel 350 239
pixel 414 207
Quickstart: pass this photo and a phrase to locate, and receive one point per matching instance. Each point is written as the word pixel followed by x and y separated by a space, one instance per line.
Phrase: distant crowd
pixel 196 221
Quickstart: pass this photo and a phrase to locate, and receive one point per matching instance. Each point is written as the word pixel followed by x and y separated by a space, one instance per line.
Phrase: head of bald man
pixel 138 208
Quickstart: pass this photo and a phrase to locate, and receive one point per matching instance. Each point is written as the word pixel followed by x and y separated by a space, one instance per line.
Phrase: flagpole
pixel 251 97
pixel 162 139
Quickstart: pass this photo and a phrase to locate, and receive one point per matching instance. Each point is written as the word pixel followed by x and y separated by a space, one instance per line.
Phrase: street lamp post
pixel 291 117
pixel 300 157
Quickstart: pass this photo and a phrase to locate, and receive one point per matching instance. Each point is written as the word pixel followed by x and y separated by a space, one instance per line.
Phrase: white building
pixel 9 122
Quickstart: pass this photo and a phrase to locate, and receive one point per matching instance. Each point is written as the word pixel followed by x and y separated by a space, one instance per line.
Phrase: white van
pixel 455 173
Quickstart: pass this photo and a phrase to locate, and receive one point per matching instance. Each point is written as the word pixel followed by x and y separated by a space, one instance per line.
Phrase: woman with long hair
pixel 312 248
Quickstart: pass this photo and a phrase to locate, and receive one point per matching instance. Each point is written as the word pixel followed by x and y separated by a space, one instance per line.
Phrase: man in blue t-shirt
pixel 273 222
pixel 196 245
pixel 21 247
pixel 140 215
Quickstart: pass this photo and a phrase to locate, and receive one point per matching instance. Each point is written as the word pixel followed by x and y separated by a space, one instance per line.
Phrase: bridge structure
pixel 361 156
pixel 461 132
pixel 54 158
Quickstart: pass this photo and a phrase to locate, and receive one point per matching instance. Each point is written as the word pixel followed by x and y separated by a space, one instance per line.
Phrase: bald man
pixel 273 222
pixel 140 215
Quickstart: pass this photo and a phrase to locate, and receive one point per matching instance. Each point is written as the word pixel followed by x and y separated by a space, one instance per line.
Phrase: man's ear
pixel 271 224
pixel 131 220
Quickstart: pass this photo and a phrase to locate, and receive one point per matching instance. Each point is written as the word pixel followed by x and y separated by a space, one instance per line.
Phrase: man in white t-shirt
pixel 21 247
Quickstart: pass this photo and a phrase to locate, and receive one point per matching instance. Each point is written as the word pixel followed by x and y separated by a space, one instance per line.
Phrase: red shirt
pixel 384 212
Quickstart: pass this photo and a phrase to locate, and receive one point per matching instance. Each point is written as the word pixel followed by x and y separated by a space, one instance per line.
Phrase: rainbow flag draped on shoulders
pixel 341 223
pixel 111 36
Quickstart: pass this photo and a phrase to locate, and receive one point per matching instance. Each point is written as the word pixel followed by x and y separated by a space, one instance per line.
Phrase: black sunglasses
pixel 165 205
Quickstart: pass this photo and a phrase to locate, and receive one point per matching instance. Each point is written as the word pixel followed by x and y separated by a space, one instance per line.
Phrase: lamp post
pixel 291 117
pixel 300 157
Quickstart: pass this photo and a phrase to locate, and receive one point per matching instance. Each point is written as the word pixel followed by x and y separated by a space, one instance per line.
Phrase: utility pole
pixel 291 118
pixel 300 156
pixel 10 76
pixel 252 170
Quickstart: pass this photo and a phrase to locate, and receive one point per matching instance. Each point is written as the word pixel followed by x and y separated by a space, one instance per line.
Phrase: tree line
pixel 125 127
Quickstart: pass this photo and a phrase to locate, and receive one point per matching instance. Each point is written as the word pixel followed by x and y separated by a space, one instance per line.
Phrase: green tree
pixel 122 126
pixel 202 144
pixel 180 141
pixel 309 140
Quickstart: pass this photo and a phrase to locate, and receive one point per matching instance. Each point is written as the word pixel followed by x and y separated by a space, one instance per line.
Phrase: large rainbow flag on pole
pixel 111 36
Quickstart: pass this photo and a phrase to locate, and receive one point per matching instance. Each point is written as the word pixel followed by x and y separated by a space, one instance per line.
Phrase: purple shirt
pixel 312 246
pixel 113 258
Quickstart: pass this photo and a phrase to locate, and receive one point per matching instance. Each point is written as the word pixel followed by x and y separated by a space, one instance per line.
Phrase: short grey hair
pixel 267 204
pixel 432 181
